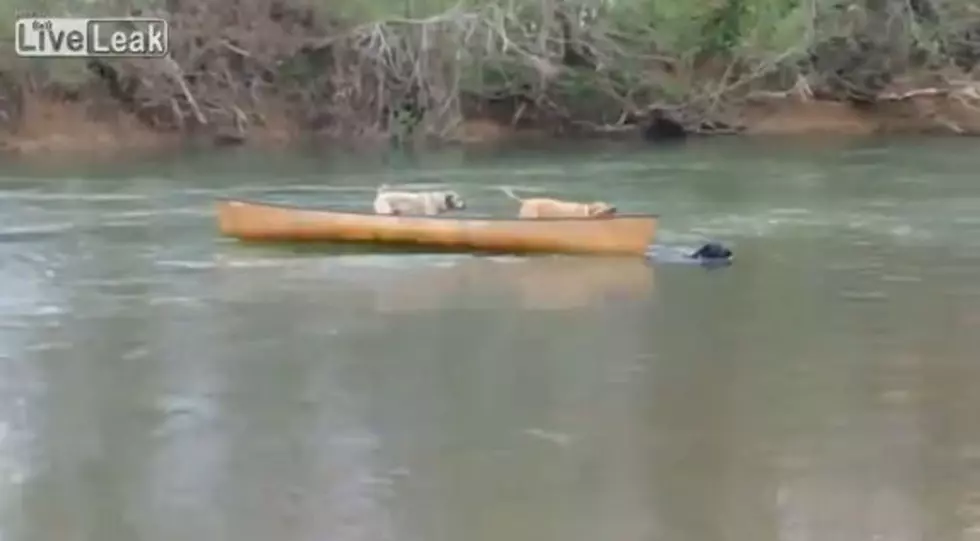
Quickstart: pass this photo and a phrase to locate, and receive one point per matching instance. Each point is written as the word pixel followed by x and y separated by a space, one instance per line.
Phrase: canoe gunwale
pixel 446 216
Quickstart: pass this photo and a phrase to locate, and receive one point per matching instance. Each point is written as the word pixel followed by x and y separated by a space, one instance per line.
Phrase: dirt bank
pixel 913 112
pixel 53 126
pixel 56 126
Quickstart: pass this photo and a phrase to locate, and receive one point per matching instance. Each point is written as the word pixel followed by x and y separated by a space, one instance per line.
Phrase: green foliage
pixel 775 26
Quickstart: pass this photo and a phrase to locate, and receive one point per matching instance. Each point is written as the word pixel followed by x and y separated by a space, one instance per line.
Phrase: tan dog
pixel 540 207
pixel 424 203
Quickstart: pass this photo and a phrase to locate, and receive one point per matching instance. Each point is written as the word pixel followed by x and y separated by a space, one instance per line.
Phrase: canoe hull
pixel 620 235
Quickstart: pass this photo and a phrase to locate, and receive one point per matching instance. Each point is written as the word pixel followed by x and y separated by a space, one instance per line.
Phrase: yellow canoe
pixel 619 235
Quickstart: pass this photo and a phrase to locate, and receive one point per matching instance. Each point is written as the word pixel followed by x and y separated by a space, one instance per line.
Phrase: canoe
pixel 619 235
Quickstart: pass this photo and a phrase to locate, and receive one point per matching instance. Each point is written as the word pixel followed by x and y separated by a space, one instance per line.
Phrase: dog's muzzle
pixel 455 203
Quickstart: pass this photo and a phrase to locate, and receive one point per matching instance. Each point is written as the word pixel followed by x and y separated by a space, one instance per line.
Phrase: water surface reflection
pixel 159 383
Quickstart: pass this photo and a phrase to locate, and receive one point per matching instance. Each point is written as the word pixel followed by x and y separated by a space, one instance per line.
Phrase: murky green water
pixel 160 383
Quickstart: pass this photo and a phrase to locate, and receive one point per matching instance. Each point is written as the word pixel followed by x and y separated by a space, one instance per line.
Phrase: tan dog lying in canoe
pixel 419 203
pixel 540 207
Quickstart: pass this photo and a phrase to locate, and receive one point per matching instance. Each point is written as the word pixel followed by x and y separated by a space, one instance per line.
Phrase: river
pixel 158 382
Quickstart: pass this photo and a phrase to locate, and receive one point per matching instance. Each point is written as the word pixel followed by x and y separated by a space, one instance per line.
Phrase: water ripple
pixel 67 196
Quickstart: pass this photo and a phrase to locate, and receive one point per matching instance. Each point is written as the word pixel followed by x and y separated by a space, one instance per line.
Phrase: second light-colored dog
pixel 540 207
pixel 418 203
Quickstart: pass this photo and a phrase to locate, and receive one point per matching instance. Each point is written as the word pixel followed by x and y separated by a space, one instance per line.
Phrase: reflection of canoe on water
pixel 537 283
pixel 623 235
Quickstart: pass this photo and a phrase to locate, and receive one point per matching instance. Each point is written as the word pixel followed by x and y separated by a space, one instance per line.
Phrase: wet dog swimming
pixel 429 203
pixel 540 207
pixel 712 252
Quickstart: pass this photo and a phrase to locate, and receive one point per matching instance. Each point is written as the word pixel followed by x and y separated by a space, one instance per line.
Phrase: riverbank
pixel 289 73
pixel 55 126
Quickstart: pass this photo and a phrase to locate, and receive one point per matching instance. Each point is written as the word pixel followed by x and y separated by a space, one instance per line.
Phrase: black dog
pixel 712 252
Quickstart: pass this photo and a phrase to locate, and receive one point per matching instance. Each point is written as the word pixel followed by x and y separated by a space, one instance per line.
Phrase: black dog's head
pixel 712 251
